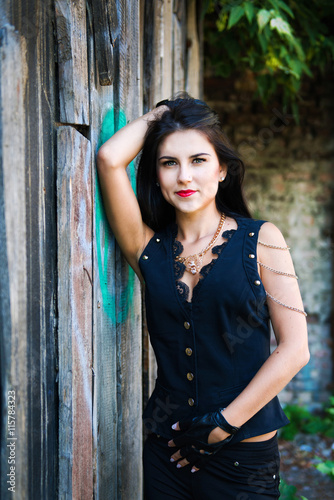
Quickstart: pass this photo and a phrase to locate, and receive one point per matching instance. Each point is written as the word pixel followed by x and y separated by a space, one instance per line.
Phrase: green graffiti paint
pixel 105 243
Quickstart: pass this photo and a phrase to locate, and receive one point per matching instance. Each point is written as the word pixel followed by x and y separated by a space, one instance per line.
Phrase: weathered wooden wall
pixel 71 320
pixel 14 362
pixel 28 318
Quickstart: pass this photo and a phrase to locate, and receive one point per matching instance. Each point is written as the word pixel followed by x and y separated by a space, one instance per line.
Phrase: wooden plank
pixel 114 27
pixel 166 77
pixel 104 315
pixel 148 28
pixel 162 61
pixel 40 178
pixel 179 46
pixel 32 20
pixel 72 61
pixel 158 51
pixel 194 69
pixel 13 277
pixel 105 344
pixel 106 30
pixel 105 425
pixel 75 314
pixel 179 10
pixel 128 299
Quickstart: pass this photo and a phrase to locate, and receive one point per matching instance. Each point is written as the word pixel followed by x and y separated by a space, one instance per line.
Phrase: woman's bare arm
pixel 119 199
pixel 290 329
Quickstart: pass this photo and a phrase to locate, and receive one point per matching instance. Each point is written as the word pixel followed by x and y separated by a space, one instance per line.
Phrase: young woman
pixel 214 277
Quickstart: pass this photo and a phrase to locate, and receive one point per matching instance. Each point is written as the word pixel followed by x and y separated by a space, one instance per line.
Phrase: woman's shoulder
pixel 271 234
pixel 267 231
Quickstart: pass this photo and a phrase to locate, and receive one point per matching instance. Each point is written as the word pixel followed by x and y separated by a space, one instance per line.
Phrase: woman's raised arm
pixel 119 199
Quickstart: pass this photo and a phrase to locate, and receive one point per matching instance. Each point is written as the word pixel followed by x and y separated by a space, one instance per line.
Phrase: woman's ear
pixel 222 172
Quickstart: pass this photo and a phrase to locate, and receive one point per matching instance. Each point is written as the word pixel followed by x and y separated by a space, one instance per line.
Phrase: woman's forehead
pixel 184 142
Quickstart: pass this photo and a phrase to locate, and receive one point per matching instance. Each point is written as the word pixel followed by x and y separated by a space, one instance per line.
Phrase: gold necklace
pixel 193 262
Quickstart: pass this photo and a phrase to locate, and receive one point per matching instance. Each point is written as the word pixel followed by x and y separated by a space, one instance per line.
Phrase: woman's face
pixel 188 171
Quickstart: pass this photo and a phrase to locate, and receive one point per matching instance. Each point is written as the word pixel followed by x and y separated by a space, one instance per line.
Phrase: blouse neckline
pixel 179 268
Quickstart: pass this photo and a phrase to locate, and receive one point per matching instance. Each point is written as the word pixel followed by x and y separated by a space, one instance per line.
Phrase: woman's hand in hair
pixel 113 157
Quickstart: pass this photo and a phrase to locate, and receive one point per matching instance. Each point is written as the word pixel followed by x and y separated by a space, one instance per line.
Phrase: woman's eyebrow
pixel 174 158
pixel 167 158
pixel 199 154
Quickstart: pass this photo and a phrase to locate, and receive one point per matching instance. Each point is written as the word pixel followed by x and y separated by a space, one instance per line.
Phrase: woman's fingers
pixel 182 463
pixel 181 453
pixel 184 424
pixel 185 462
pixel 176 426
pixel 181 457
pixel 176 456
pixel 180 441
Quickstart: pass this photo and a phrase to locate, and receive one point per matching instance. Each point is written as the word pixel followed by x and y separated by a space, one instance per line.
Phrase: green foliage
pixel 288 492
pixel 301 420
pixel 298 417
pixel 327 467
pixel 280 41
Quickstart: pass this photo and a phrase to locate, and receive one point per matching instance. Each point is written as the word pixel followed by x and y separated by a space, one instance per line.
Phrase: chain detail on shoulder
pixel 278 272
pixel 272 246
pixel 282 273
pixel 301 311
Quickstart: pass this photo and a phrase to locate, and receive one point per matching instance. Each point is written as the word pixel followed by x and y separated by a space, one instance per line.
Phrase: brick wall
pixel 289 181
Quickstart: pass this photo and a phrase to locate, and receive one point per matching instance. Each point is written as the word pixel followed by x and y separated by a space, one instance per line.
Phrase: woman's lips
pixel 186 193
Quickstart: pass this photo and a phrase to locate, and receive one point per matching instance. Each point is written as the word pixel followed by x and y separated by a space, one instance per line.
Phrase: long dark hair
pixel 186 113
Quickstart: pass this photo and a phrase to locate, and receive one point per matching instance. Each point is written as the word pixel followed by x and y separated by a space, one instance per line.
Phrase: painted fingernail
pixel 172 460
pixel 179 466
pixel 193 470
pixel 174 427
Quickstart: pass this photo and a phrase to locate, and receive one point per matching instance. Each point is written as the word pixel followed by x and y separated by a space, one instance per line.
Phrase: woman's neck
pixel 194 226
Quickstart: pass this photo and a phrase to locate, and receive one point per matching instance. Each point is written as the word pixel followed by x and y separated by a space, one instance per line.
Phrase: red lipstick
pixel 185 193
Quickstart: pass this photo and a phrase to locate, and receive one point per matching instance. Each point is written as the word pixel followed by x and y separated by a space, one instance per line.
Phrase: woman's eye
pixel 169 163
pixel 199 160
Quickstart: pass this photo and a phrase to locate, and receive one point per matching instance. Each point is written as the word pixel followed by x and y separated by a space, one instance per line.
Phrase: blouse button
pixel 250 234
pixel 189 351
pixel 251 256
pixel 145 257
pixel 186 325
pixel 158 240
pixel 191 402
pixel 236 464
pixel 257 282
pixel 190 376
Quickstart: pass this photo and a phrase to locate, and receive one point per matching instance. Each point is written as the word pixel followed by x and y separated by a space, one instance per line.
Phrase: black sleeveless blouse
pixel 209 349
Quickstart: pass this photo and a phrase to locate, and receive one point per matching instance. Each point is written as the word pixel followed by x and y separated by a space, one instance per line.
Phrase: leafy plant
pixel 301 420
pixel 279 41
pixel 326 467
pixel 288 492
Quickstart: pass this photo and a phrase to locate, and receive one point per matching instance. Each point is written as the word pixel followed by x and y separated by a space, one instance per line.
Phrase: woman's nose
pixel 184 174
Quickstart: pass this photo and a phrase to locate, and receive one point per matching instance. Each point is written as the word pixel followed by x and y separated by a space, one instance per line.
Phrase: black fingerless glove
pixel 197 430
pixel 193 442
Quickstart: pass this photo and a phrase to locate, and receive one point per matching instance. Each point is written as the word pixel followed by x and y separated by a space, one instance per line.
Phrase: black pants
pixel 241 471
